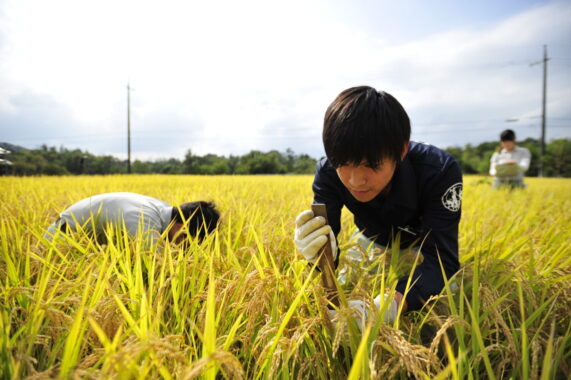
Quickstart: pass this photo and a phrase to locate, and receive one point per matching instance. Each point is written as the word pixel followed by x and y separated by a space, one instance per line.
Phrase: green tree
pixel 141 167
pixel 257 162
pixel 188 163
pixel 557 161
pixel 304 164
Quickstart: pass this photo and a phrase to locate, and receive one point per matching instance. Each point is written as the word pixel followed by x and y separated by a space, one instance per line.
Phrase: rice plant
pixel 243 304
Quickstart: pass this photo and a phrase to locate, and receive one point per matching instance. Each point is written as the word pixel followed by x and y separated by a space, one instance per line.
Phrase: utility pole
pixel 128 128
pixel 545 59
pixel 543 109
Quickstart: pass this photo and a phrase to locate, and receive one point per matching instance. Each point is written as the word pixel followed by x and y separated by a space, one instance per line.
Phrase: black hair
pixel 507 135
pixel 365 125
pixel 202 217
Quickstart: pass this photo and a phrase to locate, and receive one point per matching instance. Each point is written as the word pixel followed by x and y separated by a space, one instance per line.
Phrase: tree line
pixel 61 161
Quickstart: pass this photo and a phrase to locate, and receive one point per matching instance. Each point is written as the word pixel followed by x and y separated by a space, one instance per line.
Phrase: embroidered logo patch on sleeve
pixel 452 198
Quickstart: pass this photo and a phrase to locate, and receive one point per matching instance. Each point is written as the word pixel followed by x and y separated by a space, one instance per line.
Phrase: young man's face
pixel 177 234
pixel 508 145
pixel 365 183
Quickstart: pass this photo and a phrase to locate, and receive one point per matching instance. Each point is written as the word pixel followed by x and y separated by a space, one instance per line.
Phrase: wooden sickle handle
pixel 326 263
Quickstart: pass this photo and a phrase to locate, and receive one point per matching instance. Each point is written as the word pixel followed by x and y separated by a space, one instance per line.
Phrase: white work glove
pixel 311 235
pixel 360 310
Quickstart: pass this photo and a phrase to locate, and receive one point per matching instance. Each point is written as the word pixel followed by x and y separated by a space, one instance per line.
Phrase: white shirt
pixel 520 155
pixel 139 213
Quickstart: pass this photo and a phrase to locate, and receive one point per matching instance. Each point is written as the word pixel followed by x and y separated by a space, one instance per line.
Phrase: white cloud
pixel 227 77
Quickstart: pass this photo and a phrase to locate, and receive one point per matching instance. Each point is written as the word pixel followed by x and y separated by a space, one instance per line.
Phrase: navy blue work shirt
pixel 423 203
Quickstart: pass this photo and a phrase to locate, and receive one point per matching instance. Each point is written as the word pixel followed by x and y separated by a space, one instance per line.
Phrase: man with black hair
pixel 138 214
pixel 393 186
pixel 510 163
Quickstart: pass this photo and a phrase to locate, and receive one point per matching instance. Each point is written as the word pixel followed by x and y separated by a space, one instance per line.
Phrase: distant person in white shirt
pixel 139 214
pixel 510 163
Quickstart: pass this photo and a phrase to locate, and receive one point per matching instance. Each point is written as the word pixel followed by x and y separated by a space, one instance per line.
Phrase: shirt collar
pixel 504 150
pixel 166 216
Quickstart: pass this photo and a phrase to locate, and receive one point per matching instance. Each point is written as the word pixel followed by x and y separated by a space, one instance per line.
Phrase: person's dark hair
pixel 365 125
pixel 202 217
pixel 507 135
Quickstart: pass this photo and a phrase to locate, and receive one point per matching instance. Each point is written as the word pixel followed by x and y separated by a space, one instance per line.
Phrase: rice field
pixel 243 304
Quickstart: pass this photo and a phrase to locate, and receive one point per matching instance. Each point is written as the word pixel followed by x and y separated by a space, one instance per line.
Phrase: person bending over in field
pixel 510 163
pixel 393 187
pixel 138 214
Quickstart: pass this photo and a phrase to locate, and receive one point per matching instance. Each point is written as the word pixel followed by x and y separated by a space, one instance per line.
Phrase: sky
pixel 228 77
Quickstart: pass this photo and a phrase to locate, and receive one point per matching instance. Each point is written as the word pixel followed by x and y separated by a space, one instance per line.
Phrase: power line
pixel 143 135
pixel 477 129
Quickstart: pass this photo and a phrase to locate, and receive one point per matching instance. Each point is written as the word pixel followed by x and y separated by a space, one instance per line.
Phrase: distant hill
pixel 12 147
